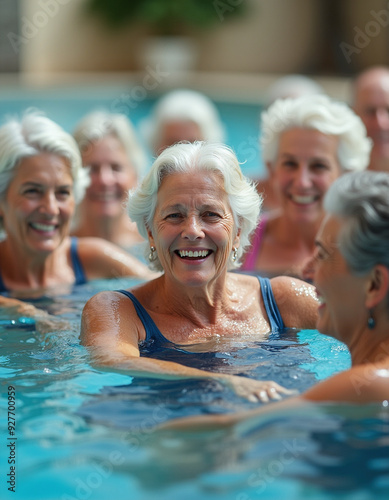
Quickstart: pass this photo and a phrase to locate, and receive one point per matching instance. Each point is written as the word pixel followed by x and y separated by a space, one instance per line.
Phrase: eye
pixel 173 216
pixel 64 193
pixel 116 167
pixel 31 191
pixel 320 254
pixel 289 164
pixel 319 167
pixel 211 215
pixel 94 169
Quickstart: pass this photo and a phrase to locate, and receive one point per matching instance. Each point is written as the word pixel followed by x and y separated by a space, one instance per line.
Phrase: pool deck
pixel 234 87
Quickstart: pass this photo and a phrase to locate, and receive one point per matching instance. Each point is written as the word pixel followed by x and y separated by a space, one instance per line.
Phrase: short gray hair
pixel 99 124
pixel 317 112
pixel 32 135
pixel 184 105
pixel 362 199
pixel 244 200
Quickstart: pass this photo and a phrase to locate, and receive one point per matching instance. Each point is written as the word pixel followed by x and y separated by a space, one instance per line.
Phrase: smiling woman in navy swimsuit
pixel 41 180
pixel 196 210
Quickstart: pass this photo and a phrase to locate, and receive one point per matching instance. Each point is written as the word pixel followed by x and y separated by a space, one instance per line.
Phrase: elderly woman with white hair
pixel 182 115
pixel 116 161
pixel 196 210
pixel 307 143
pixel 41 180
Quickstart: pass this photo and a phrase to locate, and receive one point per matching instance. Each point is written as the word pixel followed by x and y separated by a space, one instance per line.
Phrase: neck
pixel 372 346
pixel 296 233
pixel 202 306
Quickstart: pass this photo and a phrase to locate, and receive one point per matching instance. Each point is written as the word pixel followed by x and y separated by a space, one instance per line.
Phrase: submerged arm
pixel 109 329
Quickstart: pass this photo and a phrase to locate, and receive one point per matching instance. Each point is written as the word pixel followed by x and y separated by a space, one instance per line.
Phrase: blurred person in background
pixel 116 161
pixel 182 115
pixel 287 86
pixel 307 143
pixel 370 100
pixel 41 180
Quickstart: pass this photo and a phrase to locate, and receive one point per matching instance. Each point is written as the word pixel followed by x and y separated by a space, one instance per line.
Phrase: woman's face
pixel 341 294
pixel 193 227
pixel 39 203
pixel 112 176
pixel 305 167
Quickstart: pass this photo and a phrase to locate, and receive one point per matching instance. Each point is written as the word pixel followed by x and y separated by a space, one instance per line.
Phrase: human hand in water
pixel 19 310
pixel 256 390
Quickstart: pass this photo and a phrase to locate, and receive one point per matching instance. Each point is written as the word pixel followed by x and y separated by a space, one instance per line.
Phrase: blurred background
pixel 69 56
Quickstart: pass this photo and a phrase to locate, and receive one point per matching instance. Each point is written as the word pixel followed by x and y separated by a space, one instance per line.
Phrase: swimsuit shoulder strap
pixel 3 288
pixel 76 262
pixel 273 313
pixel 151 329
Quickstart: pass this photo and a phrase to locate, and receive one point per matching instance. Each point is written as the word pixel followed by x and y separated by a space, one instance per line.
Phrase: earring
pixel 234 255
pixel 152 255
pixel 370 321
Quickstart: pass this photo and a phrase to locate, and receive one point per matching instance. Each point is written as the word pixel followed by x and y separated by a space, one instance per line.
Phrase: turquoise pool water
pixel 84 433
pixel 67 106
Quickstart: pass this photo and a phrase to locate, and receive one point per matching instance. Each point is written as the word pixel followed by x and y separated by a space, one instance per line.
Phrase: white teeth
pixel 196 253
pixel 43 227
pixel 304 200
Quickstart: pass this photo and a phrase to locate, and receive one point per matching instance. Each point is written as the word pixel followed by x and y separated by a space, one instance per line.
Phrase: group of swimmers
pixel 197 218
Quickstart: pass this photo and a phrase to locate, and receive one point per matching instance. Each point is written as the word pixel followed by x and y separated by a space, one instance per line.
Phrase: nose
pixel 192 229
pixel 49 205
pixel 303 177
pixel 104 175
pixel 308 269
pixel 382 117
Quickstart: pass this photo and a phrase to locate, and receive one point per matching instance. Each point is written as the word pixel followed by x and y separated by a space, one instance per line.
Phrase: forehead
pixel 192 188
pixel 329 230
pixel 311 142
pixel 373 90
pixel 106 146
pixel 43 168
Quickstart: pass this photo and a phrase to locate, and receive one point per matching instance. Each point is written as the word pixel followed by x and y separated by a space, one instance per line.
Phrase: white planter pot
pixel 174 54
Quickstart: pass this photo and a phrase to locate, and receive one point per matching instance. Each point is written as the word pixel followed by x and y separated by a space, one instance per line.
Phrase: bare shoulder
pixel 244 282
pixel 360 384
pixel 296 301
pixel 104 308
pixel 109 318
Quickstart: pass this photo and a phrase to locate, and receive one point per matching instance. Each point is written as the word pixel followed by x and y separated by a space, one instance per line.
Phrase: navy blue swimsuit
pixel 77 267
pixel 153 333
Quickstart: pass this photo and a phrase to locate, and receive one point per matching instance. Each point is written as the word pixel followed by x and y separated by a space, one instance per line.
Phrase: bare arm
pixel 103 259
pixel 111 328
pixel 361 384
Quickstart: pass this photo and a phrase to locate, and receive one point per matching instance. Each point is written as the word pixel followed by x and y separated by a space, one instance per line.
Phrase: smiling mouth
pixel 193 254
pixel 304 200
pixel 105 197
pixel 39 226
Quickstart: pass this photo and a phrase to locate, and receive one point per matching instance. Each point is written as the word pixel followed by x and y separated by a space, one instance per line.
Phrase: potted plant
pixel 169 22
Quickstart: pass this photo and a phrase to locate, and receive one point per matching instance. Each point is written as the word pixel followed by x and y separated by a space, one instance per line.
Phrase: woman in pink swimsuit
pixel 307 143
